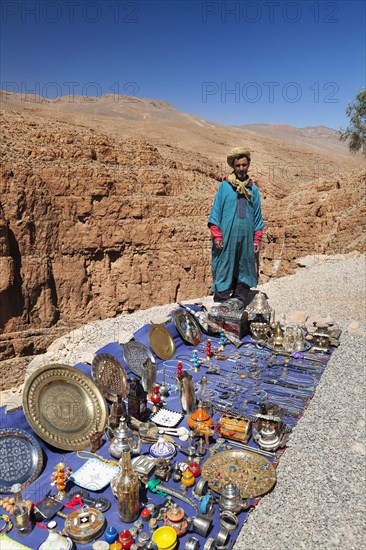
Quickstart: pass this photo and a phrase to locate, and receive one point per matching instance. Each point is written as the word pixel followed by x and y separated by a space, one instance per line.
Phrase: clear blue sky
pixel 245 62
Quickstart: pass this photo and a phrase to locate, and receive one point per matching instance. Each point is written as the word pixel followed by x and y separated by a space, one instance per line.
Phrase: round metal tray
pixel 64 407
pixel 161 342
pixel 21 458
pixel 253 474
pixel 268 344
pixel 135 355
pixel 187 327
pixel 110 376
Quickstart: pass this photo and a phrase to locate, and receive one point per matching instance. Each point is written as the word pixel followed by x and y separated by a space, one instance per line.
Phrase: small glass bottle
pixel 128 487
pixel 204 396
pixel 22 520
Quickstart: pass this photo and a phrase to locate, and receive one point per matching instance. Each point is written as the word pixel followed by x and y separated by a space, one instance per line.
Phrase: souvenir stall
pixel 168 441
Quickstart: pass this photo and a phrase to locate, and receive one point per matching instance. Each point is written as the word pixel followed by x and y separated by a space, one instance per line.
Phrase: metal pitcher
pixel 187 393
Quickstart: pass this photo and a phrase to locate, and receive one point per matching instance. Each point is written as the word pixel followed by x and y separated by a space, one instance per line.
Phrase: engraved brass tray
pixel 187 327
pixel 110 376
pixel 21 458
pixel 161 342
pixel 64 407
pixel 253 474
pixel 270 345
pixel 135 355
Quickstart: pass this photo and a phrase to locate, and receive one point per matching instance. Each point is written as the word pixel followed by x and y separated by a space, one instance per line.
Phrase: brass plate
pixel 21 458
pixel 187 327
pixel 135 355
pixel 253 474
pixel 64 407
pixel 110 376
pixel 161 342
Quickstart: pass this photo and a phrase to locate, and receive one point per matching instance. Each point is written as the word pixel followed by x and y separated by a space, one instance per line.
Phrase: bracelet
pixel 228 520
pixel 8 525
pixel 222 537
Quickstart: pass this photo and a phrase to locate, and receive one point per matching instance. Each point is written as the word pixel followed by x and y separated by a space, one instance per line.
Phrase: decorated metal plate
pixel 254 474
pixel 21 458
pixel 270 345
pixel 64 407
pixel 161 342
pixel 187 327
pixel 135 355
pixel 110 376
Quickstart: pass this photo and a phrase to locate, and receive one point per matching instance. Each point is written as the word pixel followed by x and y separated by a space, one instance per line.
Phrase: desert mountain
pixel 314 138
pixel 104 205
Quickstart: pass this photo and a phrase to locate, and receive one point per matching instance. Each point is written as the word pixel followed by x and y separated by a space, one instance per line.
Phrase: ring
pixel 228 520
pixel 222 537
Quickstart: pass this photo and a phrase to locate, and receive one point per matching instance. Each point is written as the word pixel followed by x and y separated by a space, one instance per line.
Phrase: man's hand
pixel 218 244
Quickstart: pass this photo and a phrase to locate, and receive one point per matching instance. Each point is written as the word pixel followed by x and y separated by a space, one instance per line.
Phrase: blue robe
pixel 238 219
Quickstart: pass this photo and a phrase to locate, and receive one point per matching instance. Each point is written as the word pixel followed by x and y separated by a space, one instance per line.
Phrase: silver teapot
pixel 122 437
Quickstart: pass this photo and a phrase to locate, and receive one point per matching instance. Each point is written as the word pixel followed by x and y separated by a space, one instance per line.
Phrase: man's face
pixel 241 167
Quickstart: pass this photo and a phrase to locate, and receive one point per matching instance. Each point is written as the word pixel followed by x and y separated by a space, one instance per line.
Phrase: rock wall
pixel 92 226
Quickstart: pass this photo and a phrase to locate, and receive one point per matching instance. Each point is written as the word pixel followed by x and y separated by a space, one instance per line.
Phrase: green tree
pixel 356 130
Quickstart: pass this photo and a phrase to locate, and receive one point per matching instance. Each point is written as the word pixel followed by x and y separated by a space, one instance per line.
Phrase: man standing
pixel 236 225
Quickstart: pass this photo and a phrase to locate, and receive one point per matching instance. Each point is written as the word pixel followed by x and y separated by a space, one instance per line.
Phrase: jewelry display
pixel 254 474
pixel 262 386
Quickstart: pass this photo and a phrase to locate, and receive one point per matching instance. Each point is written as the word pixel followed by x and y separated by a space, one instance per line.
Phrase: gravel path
pixel 318 501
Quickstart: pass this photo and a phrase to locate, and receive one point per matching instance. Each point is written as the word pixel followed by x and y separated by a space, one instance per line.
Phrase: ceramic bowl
pixel 165 537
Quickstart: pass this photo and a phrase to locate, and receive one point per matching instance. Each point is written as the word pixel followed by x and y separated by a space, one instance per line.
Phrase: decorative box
pixel 231 427
pixel 231 316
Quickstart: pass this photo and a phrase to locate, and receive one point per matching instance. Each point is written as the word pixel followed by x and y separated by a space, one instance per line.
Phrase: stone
pixel 298 317
pixel 355 328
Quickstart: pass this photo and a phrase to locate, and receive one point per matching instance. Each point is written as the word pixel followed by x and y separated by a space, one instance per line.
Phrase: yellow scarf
pixel 240 186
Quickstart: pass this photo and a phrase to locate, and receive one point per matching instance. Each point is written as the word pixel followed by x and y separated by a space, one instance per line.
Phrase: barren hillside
pixel 104 209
